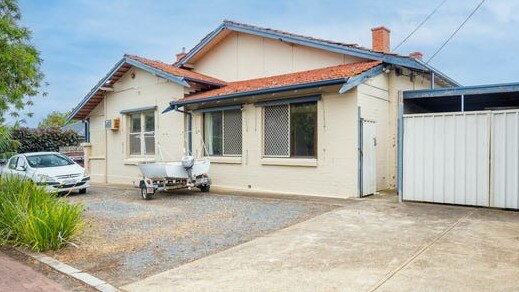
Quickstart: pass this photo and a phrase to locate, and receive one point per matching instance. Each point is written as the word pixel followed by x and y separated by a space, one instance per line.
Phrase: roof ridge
pixel 324 44
pixel 332 42
pixel 353 45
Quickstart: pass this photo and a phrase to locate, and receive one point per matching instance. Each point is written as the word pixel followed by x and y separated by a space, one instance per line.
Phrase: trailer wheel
pixel 205 188
pixel 144 193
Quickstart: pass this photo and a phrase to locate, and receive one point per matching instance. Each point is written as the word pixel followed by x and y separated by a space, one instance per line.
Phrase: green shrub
pixel 30 216
pixel 44 139
pixel 8 146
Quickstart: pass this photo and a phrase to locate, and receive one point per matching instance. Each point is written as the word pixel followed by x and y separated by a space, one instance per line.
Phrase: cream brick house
pixel 277 112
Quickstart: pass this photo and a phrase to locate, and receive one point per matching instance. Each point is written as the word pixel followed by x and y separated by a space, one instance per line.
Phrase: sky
pixel 81 40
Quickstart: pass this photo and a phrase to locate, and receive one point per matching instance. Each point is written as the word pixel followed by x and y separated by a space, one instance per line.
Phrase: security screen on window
pixel 142 133
pixel 223 133
pixel 290 130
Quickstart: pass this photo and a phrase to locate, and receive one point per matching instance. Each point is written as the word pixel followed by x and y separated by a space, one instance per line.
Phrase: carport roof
pixel 465 98
pixel 463 90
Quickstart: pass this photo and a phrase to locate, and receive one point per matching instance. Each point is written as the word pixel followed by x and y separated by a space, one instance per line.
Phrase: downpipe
pixel 188 161
pixel 189 129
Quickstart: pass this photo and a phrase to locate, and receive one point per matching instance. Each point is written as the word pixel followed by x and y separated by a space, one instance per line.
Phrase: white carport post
pixel 400 151
pixel 359 151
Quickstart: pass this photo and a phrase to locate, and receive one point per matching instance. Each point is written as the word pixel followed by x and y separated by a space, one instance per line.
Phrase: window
pixel 20 163
pixel 13 162
pixel 48 160
pixel 290 130
pixel 142 133
pixel 223 132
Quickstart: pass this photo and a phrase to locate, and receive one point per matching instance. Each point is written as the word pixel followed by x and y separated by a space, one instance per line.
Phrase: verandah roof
pixel 340 74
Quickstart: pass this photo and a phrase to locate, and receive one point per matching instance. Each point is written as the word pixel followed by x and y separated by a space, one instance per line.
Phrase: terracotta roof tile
pixel 190 75
pixel 322 74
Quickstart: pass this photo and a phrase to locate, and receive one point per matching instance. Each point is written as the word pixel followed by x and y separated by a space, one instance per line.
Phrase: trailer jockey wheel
pixel 144 193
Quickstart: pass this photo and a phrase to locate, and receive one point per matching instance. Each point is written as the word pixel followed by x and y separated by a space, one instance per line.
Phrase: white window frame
pixel 142 133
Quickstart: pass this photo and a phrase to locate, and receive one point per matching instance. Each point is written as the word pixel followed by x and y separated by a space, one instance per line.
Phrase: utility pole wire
pixel 419 26
pixel 456 31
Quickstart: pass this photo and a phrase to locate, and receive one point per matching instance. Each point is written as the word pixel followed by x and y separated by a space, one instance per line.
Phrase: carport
pixel 460 146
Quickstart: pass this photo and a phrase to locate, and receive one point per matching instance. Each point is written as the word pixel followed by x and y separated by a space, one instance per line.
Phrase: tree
pixel 20 74
pixel 8 145
pixel 54 119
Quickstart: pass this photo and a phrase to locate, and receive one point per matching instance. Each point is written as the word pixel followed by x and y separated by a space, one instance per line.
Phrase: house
pixel 276 111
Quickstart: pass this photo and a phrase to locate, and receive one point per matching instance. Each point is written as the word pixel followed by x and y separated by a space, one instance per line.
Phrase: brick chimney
pixel 181 54
pixel 416 55
pixel 380 39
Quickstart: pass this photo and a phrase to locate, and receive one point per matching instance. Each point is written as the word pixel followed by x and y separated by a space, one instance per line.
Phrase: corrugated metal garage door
pixel 469 158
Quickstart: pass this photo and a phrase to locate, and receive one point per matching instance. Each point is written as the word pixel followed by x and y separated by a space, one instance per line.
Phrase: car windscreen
pixel 48 160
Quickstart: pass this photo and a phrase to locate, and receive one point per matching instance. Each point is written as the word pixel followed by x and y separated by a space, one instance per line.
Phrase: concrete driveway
pixel 369 244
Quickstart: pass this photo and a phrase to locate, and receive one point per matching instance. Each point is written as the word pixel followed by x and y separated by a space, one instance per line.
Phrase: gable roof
pixel 186 74
pixel 169 72
pixel 332 46
pixel 312 78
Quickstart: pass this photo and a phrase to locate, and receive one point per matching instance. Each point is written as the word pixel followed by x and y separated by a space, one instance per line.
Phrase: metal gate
pixel 467 158
pixel 505 160
pixel 369 157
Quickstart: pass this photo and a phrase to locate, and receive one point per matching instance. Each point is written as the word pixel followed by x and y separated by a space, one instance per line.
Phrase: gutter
pixel 212 83
pixel 189 128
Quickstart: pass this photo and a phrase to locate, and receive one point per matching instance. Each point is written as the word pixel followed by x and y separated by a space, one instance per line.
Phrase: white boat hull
pixel 174 169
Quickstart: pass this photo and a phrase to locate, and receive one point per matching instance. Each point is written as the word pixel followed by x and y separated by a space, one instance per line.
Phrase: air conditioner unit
pixel 113 124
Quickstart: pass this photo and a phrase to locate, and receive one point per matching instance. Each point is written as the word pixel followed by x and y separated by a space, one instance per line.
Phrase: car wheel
pixel 82 191
pixel 144 193
pixel 205 188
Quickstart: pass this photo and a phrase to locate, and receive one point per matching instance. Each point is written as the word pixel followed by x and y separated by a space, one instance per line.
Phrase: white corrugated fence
pixel 466 158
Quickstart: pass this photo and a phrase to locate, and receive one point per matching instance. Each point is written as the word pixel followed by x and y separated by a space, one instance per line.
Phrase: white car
pixel 55 171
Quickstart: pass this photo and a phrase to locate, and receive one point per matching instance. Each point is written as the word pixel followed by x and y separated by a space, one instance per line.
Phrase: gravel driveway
pixel 127 238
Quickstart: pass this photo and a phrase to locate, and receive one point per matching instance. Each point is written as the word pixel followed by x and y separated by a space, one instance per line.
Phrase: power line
pixel 420 25
pixel 456 31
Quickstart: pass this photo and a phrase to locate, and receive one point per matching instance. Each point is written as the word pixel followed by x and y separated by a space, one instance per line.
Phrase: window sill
pixel 138 160
pixel 308 162
pixel 225 159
